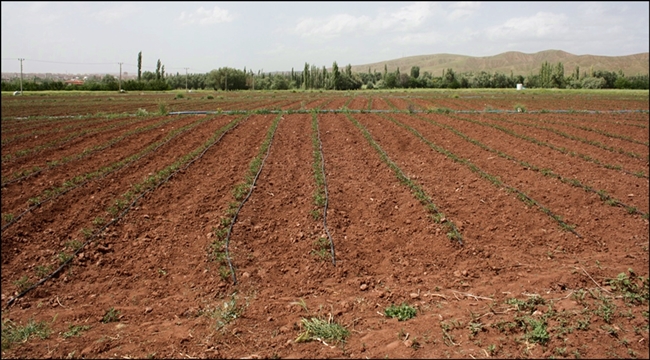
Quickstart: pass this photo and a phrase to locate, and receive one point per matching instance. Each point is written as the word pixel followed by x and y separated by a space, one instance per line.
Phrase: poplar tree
pixel 158 70
pixel 140 66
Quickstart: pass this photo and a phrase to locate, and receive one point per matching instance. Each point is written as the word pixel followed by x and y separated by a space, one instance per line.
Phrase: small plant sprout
pixel 111 315
pixel 402 312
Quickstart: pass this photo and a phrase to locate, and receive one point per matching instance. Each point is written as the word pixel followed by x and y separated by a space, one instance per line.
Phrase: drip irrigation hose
pixel 322 168
pixel 114 220
pixel 234 218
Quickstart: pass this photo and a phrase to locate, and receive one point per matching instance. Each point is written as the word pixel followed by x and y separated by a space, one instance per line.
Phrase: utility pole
pixel 120 76
pixel 21 75
pixel 186 79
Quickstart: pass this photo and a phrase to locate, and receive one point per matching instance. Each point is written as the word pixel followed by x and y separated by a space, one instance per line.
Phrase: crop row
pixel 37 200
pixel 123 203
pixel 60 141
pixel 23 174
pixel 577 138
pixel 491 178
pixel 321 196
pixel 219 249
pixel 603 195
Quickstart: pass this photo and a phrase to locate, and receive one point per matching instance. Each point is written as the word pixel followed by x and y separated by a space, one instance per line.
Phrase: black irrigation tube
pixel 395 110
pixel 89 152
pixel 520 195
pixel 116 219
pixel 39 203
pixel 322 169
pixel 250 191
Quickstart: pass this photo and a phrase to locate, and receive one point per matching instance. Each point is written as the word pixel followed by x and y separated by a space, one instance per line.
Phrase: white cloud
pixel 332 26
pixel 404 19
pixel 543 25
pixel 204 16
pixel 115 13
pixel 463 9
pixel 423 38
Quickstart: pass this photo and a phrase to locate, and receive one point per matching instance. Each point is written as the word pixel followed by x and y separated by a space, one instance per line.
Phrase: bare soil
pixel 518 285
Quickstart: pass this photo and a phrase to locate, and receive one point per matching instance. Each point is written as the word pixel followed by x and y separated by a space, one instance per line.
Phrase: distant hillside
pixel 517 62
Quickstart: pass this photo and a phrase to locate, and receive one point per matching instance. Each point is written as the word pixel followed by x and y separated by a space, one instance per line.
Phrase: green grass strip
pixel 417 191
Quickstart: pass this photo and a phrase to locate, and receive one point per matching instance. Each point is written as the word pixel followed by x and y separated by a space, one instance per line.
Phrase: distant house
pixel 74 82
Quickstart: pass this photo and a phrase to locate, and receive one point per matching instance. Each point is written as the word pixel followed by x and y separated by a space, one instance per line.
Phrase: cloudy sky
pixel 94 37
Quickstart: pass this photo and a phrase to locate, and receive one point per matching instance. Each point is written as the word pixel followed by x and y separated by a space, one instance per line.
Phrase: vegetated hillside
pixel 517 62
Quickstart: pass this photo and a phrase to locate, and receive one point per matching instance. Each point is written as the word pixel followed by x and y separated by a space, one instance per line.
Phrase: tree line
pixel 312 77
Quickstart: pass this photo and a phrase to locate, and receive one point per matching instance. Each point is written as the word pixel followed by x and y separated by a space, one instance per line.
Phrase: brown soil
pixel 516 266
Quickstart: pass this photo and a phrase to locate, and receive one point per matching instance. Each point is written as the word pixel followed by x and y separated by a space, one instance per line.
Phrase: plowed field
pixel 131 233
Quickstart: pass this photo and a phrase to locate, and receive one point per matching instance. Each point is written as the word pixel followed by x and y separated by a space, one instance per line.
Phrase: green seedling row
pixel 606 198
pixel 80 180
pixel 491 178
pixel 417 191
pixel 63 140
pixel 66 128
pixel 321 197
pixel 577 138
pixel 598 131
pixel 126 201
pixel 551 146
pixel 54 163
pixel 219 249
pixel 43 119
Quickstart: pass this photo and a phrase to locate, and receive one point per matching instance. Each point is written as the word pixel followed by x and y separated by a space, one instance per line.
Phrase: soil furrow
pixel 17 194
pixel 598 177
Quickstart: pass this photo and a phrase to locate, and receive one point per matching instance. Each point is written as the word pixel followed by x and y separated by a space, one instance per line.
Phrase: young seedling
pixel 111 315
pixel 402 313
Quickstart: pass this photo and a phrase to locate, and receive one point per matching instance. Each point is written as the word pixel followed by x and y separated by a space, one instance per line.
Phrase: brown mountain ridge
pixel 518 63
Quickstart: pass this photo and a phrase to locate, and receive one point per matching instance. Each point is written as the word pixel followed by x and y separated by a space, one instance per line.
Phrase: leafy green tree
pixel 593 83
pixel 148 76
pixel 391 81
pixel 228 79
pixel 415 72
pixel 279 83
